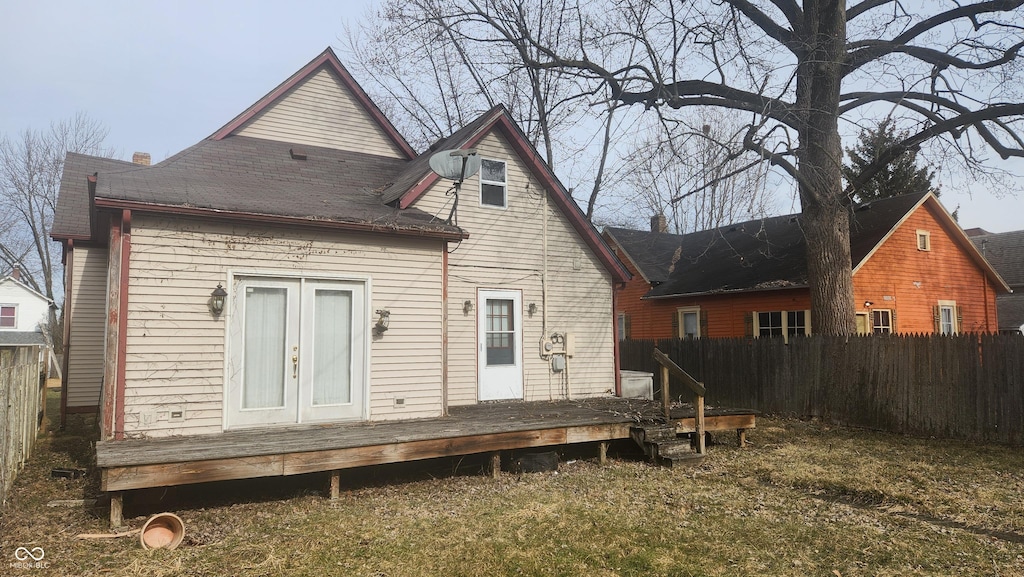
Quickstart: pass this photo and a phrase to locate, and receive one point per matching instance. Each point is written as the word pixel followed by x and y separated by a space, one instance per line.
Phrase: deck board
pixel 486 427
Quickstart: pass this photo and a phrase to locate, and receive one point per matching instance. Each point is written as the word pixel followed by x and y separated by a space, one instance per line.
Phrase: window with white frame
pixel 689 322
pixel 947 318
pixel 924 240
pixel 8 316
pixel 623 326
pixel 493 183
pixel 881 321
pixel 782 323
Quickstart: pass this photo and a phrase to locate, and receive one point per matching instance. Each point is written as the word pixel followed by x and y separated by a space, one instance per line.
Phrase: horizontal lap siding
pixel 176 348
pixel 87 301
pixel 321 112
pixel 505 252
pixel 915 281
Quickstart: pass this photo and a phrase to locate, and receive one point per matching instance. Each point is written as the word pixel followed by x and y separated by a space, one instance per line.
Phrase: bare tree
pixel 689 172
pixel 435 67
pixel 31 164
pixel 950 69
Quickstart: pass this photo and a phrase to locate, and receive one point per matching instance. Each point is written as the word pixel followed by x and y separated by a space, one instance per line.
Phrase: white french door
pixel 296 351
pixel 500 345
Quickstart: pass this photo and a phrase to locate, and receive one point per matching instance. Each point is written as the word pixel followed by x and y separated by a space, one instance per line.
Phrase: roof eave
pixel 719 292
pixel 239 216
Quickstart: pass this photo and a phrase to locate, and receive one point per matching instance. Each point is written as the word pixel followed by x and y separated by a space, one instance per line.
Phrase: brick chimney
pixel 141 158
pixel 16 274
pixel 658 223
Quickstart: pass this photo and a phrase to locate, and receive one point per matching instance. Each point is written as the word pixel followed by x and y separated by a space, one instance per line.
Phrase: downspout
pixel 615 339
pixel 69 287
pixel 444 328
pixel 122 319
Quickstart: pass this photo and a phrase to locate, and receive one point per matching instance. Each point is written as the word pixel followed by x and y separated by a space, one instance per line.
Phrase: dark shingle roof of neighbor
pixel 1005 252
pixel 255 176
pixel 1010 309
pixel 755 255
pixel 21 338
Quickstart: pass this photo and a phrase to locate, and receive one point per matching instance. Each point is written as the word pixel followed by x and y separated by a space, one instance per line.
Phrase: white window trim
pixel 679 321
pixel 785 322
pixel 927 237
pixel 13 327
pixel 871 321
pixel 504 185
pixel 951 305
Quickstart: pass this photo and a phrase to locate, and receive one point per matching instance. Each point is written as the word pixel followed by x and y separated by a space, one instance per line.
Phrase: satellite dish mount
pixel 456 165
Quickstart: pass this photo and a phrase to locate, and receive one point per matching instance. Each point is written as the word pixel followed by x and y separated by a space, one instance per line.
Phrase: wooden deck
pixel 484 428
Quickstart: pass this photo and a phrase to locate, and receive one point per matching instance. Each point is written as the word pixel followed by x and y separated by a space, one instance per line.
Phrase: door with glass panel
pixel 500 345
pixel 296 351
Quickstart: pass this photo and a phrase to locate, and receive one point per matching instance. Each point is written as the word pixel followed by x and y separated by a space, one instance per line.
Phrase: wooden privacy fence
pixel 21 398
pixel 964 386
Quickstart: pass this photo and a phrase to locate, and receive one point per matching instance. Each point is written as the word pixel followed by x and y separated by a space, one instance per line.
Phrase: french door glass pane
pixel 501 348
pixel 266 315
pixel 332 347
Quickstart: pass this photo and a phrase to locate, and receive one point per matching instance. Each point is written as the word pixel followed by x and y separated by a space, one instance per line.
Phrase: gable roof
pixel 71 218
pixel 1005 251
pixel 326 60
pixel 765 254
pixel 417 178
pixel 25 287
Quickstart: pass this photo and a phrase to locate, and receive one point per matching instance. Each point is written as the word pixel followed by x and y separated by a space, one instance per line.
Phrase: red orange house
pixel 914 271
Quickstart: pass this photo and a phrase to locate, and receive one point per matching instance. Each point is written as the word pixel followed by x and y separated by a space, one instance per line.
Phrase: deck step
pixel 678 454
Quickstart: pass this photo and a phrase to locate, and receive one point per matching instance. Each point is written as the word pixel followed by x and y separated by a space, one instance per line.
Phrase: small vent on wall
pixel 298 153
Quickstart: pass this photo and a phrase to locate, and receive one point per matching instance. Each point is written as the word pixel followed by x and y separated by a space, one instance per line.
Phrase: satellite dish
pixel 456 165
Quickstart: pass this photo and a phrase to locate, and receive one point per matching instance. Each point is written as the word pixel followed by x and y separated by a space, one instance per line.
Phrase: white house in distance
pixel 351 290
pixel 23 312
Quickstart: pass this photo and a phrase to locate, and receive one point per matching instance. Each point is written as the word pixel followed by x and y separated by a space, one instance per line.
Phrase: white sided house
pixel 22 309
pixel 303 265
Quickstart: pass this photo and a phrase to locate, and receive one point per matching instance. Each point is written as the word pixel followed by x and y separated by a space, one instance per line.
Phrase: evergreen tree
pixel 901 176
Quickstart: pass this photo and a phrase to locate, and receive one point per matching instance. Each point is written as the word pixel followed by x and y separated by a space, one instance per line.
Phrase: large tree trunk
pixel 823 206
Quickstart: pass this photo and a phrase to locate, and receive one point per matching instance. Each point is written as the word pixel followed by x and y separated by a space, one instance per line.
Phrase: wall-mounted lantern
pixel 467 307
pixel 867 304
pixel 383 320
pixel 217 299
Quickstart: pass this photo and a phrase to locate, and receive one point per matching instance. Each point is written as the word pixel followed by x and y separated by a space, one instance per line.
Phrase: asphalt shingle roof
pixel 754 255
pixel 21 338
pixel 1005 252
pixel 71 218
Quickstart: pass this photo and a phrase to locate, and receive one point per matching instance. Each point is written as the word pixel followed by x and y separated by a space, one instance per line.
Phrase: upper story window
pixel 493 183
pixel 881 321
pixel 8 316
pixel 924 240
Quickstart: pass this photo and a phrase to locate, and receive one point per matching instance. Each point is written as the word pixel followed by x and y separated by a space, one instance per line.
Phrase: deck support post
pixel 335 484
pixel 698 413
pixel 666 402
pixel 116 509
pixel 495 464
pixel 602 453
pixel 741 437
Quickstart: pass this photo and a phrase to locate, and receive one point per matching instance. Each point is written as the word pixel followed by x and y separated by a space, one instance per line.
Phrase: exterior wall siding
pixel 910 281
pixel 897 277
pixel 176 348
pixel 87 303
pixel 505 251
pixel 32 310
pixel 322 112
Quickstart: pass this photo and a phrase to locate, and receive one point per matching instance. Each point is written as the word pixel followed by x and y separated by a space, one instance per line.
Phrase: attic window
pixel 493 183
pixel 924 240
pixel 298 153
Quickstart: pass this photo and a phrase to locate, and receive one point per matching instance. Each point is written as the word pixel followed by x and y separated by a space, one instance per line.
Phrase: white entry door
pixel 296 351
pixel 500 346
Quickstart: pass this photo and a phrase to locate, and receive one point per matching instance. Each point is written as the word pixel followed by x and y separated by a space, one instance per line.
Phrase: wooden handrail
pixel 669 367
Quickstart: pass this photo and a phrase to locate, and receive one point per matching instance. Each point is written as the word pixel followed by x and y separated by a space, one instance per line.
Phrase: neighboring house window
pixel 782 323
pixel 493 183
pixel 924 240
pixel 881 321
pixel 623 325
pixel 947 320
pixel 689 322
pixel 8 317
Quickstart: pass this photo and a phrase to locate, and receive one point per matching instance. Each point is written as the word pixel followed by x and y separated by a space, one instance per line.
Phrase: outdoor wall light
pixel 467 307
pixel 217 299
pixel 532 309
pixel 867 304
pixel 383 320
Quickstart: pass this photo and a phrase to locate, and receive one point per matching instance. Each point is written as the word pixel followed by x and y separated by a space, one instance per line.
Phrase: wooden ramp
pixel 483 428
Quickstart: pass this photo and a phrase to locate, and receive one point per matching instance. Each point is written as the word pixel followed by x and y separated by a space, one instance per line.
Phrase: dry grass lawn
pixel 804 499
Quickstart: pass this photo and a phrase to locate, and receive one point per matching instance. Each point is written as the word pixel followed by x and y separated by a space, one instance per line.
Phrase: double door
pixel 296 351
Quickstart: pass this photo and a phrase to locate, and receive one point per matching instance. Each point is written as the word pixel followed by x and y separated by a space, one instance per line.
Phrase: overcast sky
pixel 164 75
